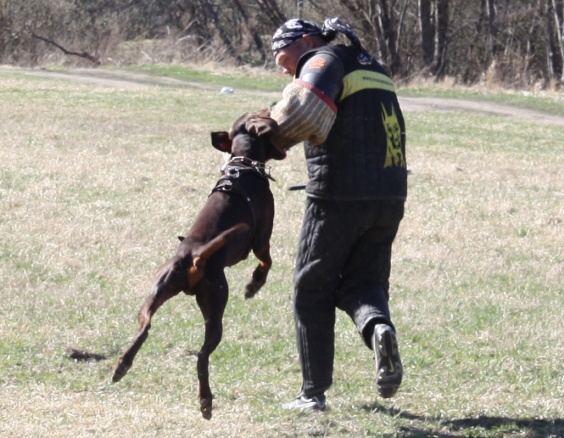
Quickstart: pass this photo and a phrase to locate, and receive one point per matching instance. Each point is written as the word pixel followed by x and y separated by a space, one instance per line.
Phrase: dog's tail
pixel 201 255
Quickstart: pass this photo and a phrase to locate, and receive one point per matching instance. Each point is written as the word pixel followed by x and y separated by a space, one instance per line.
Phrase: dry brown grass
pixel 95 184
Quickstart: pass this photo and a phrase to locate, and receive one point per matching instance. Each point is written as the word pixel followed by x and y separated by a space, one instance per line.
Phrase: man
pixel 342 104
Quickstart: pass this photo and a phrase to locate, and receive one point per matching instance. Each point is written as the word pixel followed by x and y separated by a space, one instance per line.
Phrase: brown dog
pixel 237 217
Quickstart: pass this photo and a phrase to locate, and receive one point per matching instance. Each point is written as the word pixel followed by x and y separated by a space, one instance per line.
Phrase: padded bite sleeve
pixel 307 110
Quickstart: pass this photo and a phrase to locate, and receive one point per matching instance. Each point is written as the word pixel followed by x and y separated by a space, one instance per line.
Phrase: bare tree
pixel 434 24
pixel 551 50
pixel 251 29
pixel 558 8
pixel 426 23
pixel 272 11
pixel 492 29
pixel 380 23
pixel 440 61
pixel 388 21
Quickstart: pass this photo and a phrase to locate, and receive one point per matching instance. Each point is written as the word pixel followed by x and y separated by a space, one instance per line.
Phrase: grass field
pixel 97 182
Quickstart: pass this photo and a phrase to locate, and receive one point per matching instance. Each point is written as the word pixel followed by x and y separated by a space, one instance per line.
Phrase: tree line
pixel 515 43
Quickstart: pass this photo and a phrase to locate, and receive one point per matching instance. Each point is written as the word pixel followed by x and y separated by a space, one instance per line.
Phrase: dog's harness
pixel 229 182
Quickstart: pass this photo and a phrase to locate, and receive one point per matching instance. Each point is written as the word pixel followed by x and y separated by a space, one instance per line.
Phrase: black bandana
pixel 292 31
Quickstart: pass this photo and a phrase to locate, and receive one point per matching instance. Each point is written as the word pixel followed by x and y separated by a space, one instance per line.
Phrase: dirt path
pixel 127 79
pixel 460 105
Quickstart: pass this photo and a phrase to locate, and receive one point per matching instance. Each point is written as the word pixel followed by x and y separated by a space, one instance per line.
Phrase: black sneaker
pixel 388 363
pixel 302 403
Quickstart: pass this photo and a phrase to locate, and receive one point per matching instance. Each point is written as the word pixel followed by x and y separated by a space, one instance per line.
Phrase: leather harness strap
pixel 229 182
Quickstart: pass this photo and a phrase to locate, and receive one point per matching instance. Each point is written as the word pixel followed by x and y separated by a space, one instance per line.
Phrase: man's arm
pixel 307 110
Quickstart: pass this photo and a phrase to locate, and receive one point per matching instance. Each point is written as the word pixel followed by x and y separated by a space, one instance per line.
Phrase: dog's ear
pixel 221 141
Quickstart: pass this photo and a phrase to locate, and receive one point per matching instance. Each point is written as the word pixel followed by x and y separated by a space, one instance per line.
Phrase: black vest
pixel 363 157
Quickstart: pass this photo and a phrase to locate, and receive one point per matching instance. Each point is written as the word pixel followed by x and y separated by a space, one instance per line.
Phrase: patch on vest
pixel 317 63
pixel 394 154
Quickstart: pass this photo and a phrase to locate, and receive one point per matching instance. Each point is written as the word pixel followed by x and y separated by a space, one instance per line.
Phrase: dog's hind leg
pixel 212 300
pixel 165 287
pixel 258 279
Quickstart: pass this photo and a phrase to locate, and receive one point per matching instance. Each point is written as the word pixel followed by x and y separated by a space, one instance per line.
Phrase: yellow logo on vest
pixel 394 154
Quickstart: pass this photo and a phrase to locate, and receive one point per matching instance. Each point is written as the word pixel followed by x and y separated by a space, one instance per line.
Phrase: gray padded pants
pixel 343 261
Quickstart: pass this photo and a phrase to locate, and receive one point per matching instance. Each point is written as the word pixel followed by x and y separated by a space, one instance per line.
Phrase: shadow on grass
pixel 481 426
